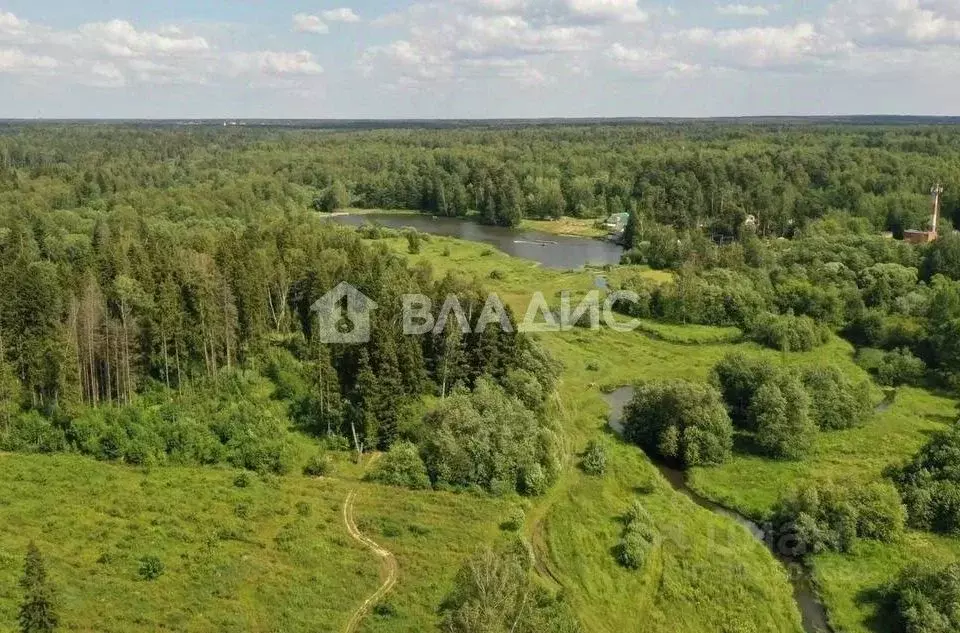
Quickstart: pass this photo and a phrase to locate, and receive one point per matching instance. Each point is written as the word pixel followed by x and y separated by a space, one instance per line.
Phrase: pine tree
pixel 37 611
pixel 632 230
pixel 10 393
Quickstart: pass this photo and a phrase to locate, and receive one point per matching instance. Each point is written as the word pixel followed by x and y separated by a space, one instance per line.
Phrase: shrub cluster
pixel 402 466
pixel 680 421
pixel 782 409
pixel 639 537
pixel 230 420
pixel 833 517
pixel 495 592
pixel 595 458
pixel 788 332
pixel 930 484
pixel 925 599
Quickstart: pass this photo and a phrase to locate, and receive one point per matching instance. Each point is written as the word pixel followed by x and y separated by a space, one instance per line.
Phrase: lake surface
pixel 813 614
pixel 553 251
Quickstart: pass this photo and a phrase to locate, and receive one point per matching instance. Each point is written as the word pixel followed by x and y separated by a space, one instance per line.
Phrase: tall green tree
pixel 38 609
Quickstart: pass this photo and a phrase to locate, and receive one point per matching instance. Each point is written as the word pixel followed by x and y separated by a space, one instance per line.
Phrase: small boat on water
pixel 535 242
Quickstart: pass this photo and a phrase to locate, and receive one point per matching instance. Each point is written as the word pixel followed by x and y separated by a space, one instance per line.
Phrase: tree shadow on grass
pixel 884 618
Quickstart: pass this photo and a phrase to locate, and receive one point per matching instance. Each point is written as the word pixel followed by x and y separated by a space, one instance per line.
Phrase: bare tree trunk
pixel 356 440
pixel 166 357
pixel 109 385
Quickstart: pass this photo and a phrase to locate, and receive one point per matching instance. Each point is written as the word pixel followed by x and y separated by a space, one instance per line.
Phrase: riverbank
pixel 574 227
pixel 564 226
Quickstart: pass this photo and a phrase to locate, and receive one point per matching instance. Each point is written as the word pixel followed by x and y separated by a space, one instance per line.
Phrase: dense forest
pixel 691 175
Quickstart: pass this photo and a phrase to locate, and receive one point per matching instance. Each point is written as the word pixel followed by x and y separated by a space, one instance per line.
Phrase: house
pixel 617 222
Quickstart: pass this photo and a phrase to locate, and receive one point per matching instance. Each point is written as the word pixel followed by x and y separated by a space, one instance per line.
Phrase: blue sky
pixel 477 58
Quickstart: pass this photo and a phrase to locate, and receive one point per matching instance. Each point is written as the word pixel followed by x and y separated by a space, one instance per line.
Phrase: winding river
pixel 813 614
pixel 560 252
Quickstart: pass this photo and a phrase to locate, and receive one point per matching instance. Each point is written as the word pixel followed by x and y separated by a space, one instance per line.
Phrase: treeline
pixel 149 340
pixel 704 177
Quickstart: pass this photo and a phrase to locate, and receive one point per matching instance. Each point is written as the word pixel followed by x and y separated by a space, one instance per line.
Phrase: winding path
pixel 389 569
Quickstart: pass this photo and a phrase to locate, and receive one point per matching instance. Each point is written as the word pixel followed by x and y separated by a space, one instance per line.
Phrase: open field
pixel 581 227
pixel 272 556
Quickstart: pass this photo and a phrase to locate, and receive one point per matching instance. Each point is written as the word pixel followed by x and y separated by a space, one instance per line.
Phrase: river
pixel 813 614
pixel 560 252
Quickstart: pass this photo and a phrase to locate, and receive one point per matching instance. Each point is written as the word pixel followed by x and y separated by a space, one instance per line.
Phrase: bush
pixel 680 421
pixel 489 439
pixel 514 520
pixel 150 568
pixel 925 599
pixel 402 466
pixel 32 433
pixel 831 517
pixel 413 241
pixel 738 377
pixel 780 413
pixel 319 465
pixel 930 484
pixel 639 537
pixel 534 481
pixel 900 367
pixel 242 480
pixel 788 333
pixel 595 458
pixel 494 591
pixel 836 401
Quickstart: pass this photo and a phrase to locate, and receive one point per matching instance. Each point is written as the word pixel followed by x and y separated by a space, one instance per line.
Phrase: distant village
pixel 616 224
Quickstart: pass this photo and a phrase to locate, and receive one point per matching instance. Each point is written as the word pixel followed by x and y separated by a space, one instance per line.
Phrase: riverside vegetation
pixel 179 442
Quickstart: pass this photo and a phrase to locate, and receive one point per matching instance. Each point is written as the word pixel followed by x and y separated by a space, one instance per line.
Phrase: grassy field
pixel 273 556
pixel 580 227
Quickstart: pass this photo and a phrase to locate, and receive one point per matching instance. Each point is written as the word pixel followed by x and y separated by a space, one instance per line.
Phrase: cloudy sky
pixel 477 58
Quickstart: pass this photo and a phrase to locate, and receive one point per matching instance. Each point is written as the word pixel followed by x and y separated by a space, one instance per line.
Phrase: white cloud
pixel 14 60
pixel 304 23
pixel 105 75
pixel 893 23
pixel 116 53
pixel 759 47
pixel 649 62
pixel 752 10
pixel 343 14
pixel 121 39
pixel 275 63
pixel 612 10
pixel 10 24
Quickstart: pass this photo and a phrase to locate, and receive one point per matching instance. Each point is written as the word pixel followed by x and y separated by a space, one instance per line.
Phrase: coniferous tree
pixel 38 609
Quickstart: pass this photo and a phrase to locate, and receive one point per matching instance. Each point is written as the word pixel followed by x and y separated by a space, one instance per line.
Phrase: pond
pixel 553 251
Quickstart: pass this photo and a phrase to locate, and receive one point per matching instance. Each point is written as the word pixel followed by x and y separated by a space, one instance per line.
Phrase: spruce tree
pixel 37 611
pixel 632 230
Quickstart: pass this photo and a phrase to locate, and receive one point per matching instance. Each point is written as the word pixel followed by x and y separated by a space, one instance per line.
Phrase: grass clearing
pixel 273 556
